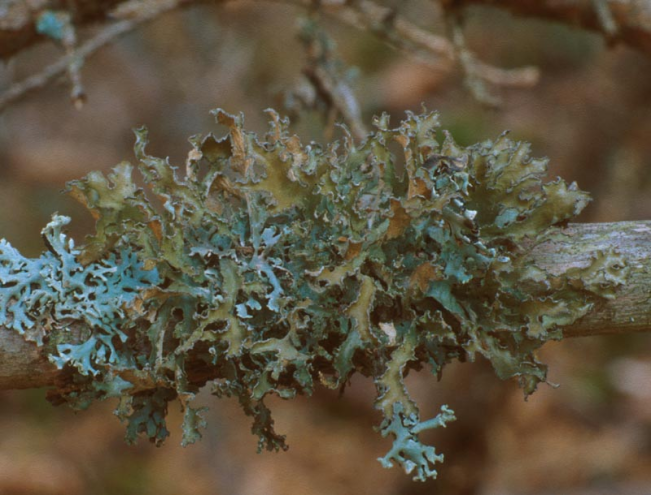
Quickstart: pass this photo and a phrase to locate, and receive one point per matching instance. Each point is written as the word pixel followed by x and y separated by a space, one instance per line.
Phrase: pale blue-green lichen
pixel 272 266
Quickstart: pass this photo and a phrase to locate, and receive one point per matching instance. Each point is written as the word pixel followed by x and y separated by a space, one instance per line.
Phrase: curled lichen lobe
pixel 271 266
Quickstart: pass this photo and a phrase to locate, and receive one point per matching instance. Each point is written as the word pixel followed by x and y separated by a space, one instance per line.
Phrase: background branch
pixel 18 20
pixel 632 18
pixel 628 21
pixel 434 50
pixel 76 58
pixel 18 31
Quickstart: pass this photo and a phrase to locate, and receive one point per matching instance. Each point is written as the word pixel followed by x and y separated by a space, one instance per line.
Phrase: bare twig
pixel 19 19
pixel 75 58
pixel 342 99
pixel 329 77
pixel 522 77
pixel 477 73
pixel 58 26
pixel 606 19
pixel 630 19
pixel 434 50
pixel 472 78
pixel 624 21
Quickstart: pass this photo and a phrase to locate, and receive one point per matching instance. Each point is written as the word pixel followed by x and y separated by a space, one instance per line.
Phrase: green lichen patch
pixel 268 267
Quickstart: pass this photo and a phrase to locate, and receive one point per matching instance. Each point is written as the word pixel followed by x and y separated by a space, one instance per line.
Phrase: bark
pixel 22 364
pixel 630 310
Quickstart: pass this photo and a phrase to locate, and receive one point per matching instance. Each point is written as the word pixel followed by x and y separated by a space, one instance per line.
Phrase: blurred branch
pixel 19 30
pixel 330 83
pixel 628 21
pixel 472 76
pixel 434 50
pixel 341 99
pixel 18 20
pixel 477 73
pixel 75 58
pixel 625 21
pixel 23 366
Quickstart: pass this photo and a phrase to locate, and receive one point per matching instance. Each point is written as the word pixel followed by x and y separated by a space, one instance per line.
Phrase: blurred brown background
pixel 590 113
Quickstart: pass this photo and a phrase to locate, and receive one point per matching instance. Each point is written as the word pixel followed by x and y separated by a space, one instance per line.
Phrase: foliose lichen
pixel 270 266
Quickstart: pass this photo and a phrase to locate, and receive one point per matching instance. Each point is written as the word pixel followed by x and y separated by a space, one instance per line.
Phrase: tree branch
pixel 23 366
pixel 433 50
pixel 51 72
pixel 631 19
pixel 630 310
pixel 18 19
pixel 628 21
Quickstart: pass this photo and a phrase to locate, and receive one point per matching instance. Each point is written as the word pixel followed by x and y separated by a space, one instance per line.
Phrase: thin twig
pixel 436 51
pixel 606 19
pixel 77 57
pixel 622 21
pixel 472 79
pixel 329 77
pixel 522 77
pixel 342 99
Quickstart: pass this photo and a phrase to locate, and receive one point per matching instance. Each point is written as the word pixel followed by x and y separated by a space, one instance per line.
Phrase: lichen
pixel 271 266
pixel 54 24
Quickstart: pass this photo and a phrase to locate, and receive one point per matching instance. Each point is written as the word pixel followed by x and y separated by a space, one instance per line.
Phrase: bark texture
pixel 630 310
pixel 22 365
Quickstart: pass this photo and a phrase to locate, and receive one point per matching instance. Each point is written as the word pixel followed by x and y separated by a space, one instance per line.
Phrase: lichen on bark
pixel 277 266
